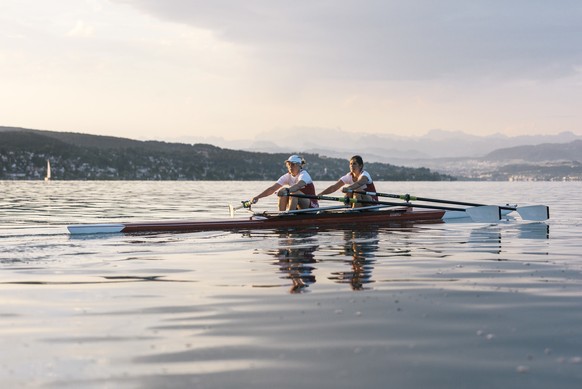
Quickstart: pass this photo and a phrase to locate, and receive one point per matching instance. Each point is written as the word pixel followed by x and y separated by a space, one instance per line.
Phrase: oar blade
pixel 484 214
pixel 452 215
pixel 79 229
pixel 534 212
pixel 231 210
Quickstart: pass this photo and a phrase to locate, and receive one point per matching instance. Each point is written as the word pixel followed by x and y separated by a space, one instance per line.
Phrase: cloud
pixel 393 40
pixel 81 29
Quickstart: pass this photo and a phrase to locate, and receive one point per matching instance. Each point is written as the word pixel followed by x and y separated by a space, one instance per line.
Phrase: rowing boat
pixel 368 213
pixel 266 220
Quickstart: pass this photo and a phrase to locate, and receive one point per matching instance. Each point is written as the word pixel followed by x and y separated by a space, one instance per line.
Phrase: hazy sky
pixel 161 69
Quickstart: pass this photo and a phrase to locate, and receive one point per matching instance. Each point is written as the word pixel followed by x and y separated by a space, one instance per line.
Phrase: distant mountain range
pixel 571 151
pixel 384 148
pixel 494 157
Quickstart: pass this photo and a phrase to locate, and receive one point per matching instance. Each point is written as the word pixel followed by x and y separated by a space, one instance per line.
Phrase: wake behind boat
pixel 325 217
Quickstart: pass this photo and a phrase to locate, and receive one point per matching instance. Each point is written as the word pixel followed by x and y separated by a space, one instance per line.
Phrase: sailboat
pixel 48 170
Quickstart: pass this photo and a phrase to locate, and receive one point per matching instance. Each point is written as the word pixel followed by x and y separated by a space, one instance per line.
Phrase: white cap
pixel 294 159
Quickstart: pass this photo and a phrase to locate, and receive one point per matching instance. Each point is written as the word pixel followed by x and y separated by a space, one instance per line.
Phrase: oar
pixel 245 204
pixel 483 213
pixel 310 210
pixel 345 207
pixel 528 212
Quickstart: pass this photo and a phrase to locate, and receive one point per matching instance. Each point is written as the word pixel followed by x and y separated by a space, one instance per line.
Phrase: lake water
pixel 444 305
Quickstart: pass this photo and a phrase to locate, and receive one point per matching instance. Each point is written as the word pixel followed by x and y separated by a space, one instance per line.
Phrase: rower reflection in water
pixel 295 258
pixel 361 246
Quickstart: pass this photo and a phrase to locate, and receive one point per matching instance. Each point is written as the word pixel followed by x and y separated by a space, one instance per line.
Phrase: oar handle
pixel 405 197
pixel 345 200
pixel 244 204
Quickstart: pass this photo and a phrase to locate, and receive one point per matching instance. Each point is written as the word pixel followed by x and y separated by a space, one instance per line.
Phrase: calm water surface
pixel 446 305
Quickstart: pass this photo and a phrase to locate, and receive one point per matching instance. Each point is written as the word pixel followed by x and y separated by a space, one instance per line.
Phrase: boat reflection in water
pixel 361 246
pixel 296 257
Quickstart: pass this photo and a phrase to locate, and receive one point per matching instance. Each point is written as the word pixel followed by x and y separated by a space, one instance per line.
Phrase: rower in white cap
pixel 296 181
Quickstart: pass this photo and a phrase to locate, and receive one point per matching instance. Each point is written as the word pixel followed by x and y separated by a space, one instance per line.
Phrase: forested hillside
pixel 74 156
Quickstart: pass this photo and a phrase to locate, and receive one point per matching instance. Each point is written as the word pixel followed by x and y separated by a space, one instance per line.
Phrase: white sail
pixel 48 170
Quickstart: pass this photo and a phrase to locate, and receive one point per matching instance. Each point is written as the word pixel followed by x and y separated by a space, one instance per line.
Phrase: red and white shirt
pixel 308 189
pixel 369 187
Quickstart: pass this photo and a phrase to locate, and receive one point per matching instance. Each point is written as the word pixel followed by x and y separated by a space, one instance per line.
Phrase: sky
pixel 235 69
